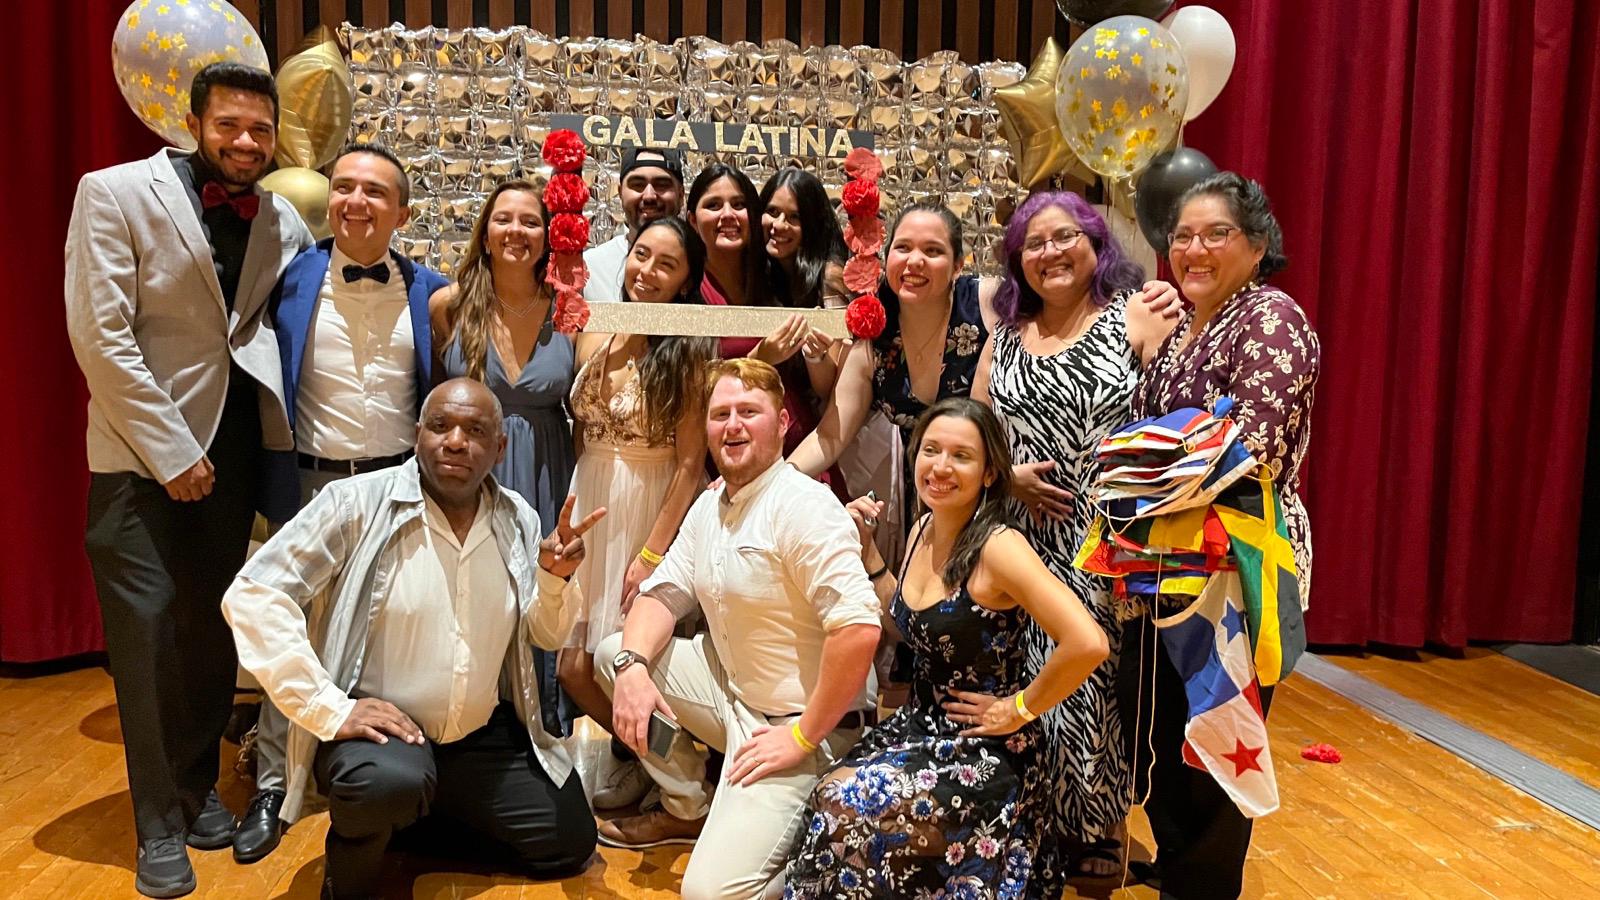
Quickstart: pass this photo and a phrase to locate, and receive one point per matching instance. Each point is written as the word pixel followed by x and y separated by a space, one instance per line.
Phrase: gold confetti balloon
pixel 160 44
pixel 1121 93
pixel 307 190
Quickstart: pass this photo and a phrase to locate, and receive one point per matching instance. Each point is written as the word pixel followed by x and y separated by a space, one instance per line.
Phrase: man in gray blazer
pixel 169 263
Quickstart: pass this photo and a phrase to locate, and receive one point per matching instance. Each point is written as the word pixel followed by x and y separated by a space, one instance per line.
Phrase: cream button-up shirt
pixel 775 568
pixel 439 642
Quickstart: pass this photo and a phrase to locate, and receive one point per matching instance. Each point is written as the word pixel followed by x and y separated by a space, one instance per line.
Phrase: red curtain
pixel 1434 166
pixel 66 117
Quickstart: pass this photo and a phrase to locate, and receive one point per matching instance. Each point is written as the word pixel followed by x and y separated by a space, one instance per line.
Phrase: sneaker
pixel 213 828
pixel 622 783
pixel 164 869
pixel 651 829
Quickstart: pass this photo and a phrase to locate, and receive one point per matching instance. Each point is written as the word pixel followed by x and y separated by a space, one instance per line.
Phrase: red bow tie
pixel 245 205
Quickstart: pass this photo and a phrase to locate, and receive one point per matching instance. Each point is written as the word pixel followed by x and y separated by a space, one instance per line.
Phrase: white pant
pixel 749 830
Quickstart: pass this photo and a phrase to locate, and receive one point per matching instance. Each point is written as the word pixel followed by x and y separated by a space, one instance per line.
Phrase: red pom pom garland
pixel 565 196
pixel 864 236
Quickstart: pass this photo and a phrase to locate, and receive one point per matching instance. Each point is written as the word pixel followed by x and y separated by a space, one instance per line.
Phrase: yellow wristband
pixel 1027 714
pixel 800 738
pixel 650 556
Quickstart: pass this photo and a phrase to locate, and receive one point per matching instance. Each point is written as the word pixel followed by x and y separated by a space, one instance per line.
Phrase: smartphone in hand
pixel 662 733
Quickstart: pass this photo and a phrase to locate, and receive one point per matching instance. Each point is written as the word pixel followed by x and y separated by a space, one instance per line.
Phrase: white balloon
pixel 1208 47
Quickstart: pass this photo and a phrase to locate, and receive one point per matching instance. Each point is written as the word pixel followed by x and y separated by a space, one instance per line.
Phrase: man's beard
pixel 212 169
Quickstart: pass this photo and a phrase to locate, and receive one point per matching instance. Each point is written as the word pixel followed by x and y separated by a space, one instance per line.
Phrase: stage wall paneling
pixel 979 30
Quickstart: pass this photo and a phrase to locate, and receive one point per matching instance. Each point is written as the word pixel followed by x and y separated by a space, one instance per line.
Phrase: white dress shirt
pixel 438 644
pixel 358 382
pixel 605 264
pixel 776 569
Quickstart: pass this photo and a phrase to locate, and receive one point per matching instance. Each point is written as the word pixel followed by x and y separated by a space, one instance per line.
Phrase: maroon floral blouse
pixel 1260 350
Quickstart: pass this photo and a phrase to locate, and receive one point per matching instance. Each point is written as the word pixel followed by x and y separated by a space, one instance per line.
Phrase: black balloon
pixel 1088 12
pixel 1161 184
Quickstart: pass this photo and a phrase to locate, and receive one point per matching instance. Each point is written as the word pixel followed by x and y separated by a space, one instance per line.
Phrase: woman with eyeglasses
pixel 1248 341
pixel 1075 320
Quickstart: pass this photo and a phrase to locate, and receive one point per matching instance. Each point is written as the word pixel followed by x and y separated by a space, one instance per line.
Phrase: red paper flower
pixel 564 150
pixel 572 312
pixel 1326 753
pixel 569 233
pixel 566 193
pixel 864 317
pixel 864 237
pixel 861 199
pixel 863 164
pixel 567 272
pixel 861 274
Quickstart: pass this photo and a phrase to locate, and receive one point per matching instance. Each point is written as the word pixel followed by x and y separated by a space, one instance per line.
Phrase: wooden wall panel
pixel 1007 29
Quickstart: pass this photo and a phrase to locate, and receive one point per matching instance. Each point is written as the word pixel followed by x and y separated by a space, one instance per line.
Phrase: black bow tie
pixel 378 272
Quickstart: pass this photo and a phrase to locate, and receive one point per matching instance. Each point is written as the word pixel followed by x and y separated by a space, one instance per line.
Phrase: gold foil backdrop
pixel 466 108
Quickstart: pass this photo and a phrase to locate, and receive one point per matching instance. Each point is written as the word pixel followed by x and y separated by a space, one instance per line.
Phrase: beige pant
pixel 749 830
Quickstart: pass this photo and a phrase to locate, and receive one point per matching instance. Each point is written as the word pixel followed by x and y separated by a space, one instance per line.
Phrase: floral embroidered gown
pixel 916 810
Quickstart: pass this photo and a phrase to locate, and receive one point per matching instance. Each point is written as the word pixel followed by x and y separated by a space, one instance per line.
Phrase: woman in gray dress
pixel 494 324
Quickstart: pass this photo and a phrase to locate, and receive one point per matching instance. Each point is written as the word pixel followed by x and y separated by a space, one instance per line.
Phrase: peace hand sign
pixel 560 553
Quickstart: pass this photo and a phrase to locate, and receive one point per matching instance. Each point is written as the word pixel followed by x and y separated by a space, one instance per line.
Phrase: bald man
pixel 393 621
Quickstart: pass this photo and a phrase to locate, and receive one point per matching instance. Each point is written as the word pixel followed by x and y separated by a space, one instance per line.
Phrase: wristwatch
pixel 627 658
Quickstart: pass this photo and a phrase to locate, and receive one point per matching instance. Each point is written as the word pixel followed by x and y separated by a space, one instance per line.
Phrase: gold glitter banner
pixel 707 321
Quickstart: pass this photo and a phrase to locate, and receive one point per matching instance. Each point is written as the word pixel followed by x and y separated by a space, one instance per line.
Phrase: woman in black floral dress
pixel 936 323
pixel 937 800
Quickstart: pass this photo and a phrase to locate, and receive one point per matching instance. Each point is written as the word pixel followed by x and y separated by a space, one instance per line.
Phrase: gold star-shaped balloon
pixel 1028 118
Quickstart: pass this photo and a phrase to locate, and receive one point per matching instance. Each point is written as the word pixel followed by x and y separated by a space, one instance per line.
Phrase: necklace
pixel 519 313
pixel 921 352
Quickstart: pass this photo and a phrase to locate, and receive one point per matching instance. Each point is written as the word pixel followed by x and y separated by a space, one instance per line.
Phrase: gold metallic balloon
pixel 1121 93
pixel 307 189
pixel 159 45
pixel 314 105
pixel 1028 119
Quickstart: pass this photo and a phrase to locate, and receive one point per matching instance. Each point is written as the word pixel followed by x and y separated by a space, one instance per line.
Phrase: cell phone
pixel 662 733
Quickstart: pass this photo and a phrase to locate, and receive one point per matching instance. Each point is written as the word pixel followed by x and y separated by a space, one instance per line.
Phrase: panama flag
pixel 1226 734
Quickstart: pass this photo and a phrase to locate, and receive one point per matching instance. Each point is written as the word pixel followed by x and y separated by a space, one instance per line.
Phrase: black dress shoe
pixel 213 828
pixel 164 869
pixel 260 829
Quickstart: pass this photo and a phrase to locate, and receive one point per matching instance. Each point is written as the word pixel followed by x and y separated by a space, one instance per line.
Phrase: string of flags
pixel 1188 517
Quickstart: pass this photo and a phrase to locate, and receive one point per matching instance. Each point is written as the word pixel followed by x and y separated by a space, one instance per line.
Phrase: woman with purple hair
pixel 1075 321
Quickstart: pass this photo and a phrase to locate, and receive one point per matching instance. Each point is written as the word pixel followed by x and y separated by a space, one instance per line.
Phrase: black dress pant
pixel 1201 837
pixel 486 791
pixel 160 569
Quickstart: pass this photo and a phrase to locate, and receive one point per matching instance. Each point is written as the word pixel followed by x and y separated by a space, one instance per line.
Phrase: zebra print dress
pixel 1058 407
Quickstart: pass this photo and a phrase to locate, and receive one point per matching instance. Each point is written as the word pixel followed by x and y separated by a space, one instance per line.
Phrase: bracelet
pixel 800 738
pixel 1027 714
pixel 883 570
pixel 650 556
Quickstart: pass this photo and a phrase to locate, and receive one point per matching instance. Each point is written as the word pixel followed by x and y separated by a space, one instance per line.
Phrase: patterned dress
pixel 1057 408
pixel 1260 350
pixel 916 810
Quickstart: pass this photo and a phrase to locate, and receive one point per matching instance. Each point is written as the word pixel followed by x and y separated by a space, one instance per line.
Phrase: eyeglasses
pixel 1062 240
pixel 1212 238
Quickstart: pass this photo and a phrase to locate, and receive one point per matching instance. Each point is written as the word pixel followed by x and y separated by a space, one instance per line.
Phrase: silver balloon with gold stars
pixel 1121 94
pixel 160 44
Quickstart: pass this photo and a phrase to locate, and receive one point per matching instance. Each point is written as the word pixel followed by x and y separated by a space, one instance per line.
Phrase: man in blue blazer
pixel 351 317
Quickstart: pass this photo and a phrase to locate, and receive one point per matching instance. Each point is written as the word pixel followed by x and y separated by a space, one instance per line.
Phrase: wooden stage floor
pixel 1398 818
